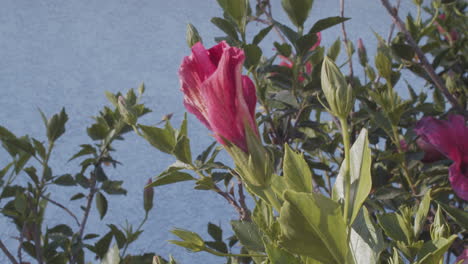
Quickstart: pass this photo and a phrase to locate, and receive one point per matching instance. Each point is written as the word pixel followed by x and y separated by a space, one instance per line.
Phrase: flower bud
pixel 339 95
pixel 362 53
pixel 127 113
pixel 148 196
pixel 192 35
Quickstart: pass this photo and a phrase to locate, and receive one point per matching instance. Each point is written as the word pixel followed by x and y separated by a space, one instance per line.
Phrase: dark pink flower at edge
pixel 217 93
pixel 463 256
pixel 451 139
pixel 288 63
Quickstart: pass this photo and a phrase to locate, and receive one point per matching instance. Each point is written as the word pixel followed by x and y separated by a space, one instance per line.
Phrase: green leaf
pixel 97 131
pixel 395 227
pixel 312 225
pixel 182 150
pixel 86 149
pixel 31 171
pixel 297 10
pixel 360 174
pixel 252 55
pixel 169 177
pixel 192 36
pixel 190 240
pixel 39 148
pixel 366 241
pixel 102 246
pixel 261 35
pixel 460 216
pixel 65 180
pixel 112 98
pixel 383 65
pixel 249 235
pixel 225 26
pixel 77 196
pixel 56 125
pixel 421 215
pixel 205 183
pixel 325 23
pixel 61 229
pixel 432 252
pixel 297 174
pixel 290 34
pixel 403 51
pixel 215 232
pixel 284 49
pixel 334 50
pixel 277 255
pixel 306 42
pixel 183 130
pixel 439 100
pixel 101 204
pixel 112 256
pixel 237 9
pixel 118 235
pixel 113 187
pixel 162 139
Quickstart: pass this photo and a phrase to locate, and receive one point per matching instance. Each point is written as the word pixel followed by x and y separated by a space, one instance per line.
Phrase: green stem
pixel 220 254
pixel 347 175
pixel 270 195
pixel 404 166
pixel 138 229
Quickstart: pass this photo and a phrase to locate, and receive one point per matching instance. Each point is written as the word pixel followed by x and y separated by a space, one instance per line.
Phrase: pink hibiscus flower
pixel 217 93
pixel 451 139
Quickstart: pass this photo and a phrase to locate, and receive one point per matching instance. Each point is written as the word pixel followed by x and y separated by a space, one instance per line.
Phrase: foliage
pixel 336 172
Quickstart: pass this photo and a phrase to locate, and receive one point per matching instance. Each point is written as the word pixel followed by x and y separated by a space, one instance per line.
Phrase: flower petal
pixel 442 135
pixel 249 93
pixel 458 177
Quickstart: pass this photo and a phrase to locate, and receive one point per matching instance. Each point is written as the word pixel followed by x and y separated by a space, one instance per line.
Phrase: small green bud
pixel 192 35
pixel 339 95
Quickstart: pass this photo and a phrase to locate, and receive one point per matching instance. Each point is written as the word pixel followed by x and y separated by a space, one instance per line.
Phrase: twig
pixel 422 58
pixel 267 11
pixel 63 207
pixel 230 200
pixel 7 253
pixel 20 246
pixel 89 202
pixel 392 27
pixel 345 40
pixel 245 209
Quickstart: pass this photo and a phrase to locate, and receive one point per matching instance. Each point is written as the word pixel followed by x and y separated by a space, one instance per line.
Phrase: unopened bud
pixel 148 196
pixel 362 53
pixel 192 35
pixel 339 95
